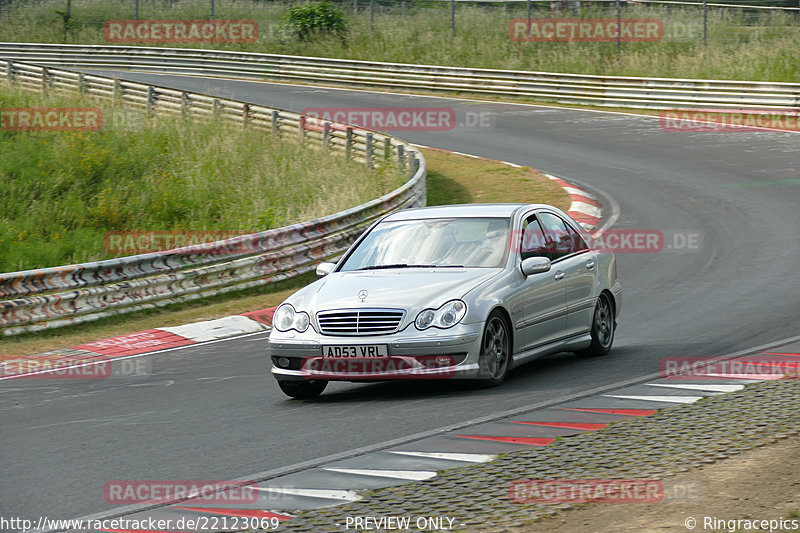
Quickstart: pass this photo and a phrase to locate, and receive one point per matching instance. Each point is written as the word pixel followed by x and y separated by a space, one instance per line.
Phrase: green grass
pixel 62 192
pixel 741 44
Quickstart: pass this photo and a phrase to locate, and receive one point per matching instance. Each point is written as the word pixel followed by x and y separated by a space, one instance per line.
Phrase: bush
pixel 322 17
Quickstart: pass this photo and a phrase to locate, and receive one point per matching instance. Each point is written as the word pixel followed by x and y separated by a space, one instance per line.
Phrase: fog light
pixel 443 360
pixel 283 362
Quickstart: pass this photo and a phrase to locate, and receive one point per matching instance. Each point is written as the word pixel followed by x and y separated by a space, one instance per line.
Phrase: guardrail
pixel 50 297
pixel 617 91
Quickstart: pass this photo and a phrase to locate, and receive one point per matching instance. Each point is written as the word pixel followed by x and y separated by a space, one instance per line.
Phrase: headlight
pixel 446 316
pixel 287 318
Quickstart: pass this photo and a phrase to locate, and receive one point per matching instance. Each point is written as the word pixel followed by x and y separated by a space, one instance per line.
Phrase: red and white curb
pixel 585 208
pixel 149 341
pixel 172 337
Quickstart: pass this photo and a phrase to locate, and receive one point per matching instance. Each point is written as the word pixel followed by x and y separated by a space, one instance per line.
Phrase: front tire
pixel 303 390
pixel 603 328
pixel 495 358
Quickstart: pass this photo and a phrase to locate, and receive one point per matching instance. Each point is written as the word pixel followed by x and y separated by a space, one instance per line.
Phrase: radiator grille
pixel 360 321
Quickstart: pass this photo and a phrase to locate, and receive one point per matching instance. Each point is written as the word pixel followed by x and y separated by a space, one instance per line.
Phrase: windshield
pixel 434 242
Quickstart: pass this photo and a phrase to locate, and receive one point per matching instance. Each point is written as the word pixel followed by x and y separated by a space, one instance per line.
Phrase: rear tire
pixel 303 390
pixel 495 358
pixel 603 328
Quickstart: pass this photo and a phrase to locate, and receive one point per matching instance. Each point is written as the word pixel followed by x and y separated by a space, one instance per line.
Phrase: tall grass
pixel 61 192
pixel 741 44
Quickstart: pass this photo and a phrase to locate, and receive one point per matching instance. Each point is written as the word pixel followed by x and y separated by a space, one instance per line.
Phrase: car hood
pixel 413 289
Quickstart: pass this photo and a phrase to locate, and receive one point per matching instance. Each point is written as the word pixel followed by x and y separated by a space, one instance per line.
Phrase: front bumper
pixel 451 354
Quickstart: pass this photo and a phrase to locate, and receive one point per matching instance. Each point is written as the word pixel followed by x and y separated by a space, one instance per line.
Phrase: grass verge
pixel 451 179
pixel 741 44
pixel 63 194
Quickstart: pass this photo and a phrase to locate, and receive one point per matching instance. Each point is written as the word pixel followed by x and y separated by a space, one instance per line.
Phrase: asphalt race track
pixel 213 412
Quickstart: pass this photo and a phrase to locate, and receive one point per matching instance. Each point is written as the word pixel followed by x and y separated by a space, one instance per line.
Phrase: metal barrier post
pixel 274 124
pixel 368 150
pixel 185 109
pixel 302 133
pixel 245 115
pixel 81 83
pixel 349 143
pixel 401 156
pixel 151 96
pixel 705 21
pixel 326 135
pixel 529 17
pixel 116 93
pixel 45 77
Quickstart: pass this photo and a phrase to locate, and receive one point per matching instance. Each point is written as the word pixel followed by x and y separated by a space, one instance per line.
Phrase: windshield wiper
pixel 404 265
pixel 395 265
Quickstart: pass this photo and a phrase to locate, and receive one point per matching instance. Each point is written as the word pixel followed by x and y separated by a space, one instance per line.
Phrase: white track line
pixel 411 475
pixel 686 386
pixel 753 377
pixel 667 399
pixel 323 494
pixel 463 457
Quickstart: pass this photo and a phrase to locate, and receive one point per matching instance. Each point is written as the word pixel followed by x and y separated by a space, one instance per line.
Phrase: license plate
pixel 357 350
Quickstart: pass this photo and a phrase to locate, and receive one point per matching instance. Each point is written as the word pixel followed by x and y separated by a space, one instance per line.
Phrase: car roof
pixel 462 210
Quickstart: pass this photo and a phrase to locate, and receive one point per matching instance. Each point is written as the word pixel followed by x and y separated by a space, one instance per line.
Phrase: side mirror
pixel 535 265
pixel 323 269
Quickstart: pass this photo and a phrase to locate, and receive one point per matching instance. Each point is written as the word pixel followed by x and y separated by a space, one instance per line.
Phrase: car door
pixel 544 295
pixel 571 255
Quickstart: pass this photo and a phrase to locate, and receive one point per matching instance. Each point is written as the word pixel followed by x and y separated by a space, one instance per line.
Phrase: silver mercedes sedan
pixel 450 292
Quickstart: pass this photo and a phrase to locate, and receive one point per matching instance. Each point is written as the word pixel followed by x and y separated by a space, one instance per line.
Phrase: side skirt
pixel 578 342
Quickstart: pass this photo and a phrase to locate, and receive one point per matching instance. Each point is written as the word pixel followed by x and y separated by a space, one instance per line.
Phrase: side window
pixel 533 240
pixel 578 244
pixel 557 235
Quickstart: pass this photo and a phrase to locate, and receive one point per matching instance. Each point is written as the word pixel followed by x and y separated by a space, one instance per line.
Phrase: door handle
pixel 559 275
pixel 590 264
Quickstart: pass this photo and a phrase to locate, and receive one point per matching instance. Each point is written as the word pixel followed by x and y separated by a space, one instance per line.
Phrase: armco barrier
pixel 635 92
pixel 51 297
